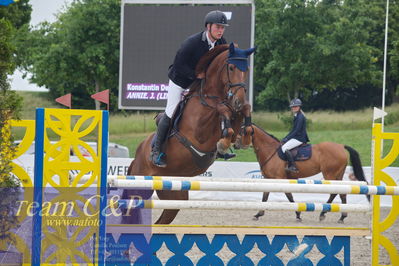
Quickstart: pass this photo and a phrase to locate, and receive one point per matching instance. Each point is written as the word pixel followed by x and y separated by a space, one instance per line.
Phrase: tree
pixel 306 47
pixel 79 53
pixel 12 17
pixel 18 13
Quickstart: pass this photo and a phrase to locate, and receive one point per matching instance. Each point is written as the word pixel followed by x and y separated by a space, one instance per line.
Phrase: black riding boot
pixel 291 163
pixel 157 157
pixel 226 156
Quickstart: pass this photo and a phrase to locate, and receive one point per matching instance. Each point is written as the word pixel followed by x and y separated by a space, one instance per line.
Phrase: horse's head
pixel 226 67
pixel 234 76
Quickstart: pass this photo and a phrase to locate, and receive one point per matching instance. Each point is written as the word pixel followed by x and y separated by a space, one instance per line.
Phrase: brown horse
pixel 220 99
pixel 328 158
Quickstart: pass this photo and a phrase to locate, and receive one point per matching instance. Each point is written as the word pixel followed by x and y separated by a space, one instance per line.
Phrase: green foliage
pixel 286 119
pixel 6 50
pixel 11 17
pixel 391 118
pixel 77 54
pixel 309 47
pixel 10 104
pixel 17 13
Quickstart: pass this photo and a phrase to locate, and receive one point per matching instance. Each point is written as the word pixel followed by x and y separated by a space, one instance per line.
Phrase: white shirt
pixel 210 43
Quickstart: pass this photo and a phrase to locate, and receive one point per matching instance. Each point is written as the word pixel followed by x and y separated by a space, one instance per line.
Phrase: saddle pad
pixel 301 153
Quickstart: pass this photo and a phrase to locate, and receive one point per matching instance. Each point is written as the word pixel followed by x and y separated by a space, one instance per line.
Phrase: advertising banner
pixel 151 35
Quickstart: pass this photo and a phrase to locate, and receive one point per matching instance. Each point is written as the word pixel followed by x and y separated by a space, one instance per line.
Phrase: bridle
pixel 233 88
pixel 232 92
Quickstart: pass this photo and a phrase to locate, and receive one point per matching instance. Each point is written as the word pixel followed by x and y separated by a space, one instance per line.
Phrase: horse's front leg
pixel 262 212
pixel 247 132
pixel 227 130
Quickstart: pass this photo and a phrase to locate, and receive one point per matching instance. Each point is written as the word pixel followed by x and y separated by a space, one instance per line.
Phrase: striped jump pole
pixel 249 180
pixel 111 178
pixel 238 205
pixel 253 187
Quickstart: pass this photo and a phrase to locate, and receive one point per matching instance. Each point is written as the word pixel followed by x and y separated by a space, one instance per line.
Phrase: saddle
pixel 301 153
pixel 201 159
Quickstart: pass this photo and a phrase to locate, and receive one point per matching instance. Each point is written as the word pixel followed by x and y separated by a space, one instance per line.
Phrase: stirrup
pixel 292 169
pixel 158 159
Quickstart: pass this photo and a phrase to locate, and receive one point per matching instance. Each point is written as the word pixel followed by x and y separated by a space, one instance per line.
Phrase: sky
pixel 42 10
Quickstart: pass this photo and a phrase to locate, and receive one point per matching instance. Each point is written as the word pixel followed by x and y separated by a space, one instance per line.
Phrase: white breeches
pixel 292 143
pixel 174 97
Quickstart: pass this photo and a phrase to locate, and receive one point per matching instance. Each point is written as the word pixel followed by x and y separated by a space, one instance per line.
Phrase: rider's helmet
pixel 216 17
pixel 295 102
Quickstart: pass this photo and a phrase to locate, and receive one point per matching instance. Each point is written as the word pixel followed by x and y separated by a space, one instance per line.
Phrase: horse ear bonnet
pixel 239 57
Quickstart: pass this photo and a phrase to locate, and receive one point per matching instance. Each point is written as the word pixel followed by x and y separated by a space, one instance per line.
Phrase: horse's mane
pixel 275 138
pixel 207 58
pixel 204 63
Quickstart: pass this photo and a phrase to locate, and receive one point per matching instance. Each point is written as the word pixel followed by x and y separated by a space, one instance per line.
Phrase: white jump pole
pixel 254 187
pixel 238 205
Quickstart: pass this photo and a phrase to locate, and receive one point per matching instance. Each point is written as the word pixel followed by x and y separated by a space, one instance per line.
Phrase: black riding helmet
pixel 216 17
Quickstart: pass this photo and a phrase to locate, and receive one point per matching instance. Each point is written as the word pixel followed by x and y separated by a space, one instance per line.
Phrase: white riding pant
pixel 289 145
pixel 174 97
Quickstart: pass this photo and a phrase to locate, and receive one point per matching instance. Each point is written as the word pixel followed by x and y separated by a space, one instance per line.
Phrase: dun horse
pixel 218 100
pixel 328 158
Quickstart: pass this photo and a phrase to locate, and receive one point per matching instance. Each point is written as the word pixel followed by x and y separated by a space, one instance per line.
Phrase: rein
pixel 268 159
pixel 202 96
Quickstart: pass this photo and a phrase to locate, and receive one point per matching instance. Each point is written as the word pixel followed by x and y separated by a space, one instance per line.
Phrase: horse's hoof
pixel 322 218
pixel 299 220
pixel 255 218
pixel 340 221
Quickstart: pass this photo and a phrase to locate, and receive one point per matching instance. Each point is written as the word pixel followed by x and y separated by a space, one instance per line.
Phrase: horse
pixel 329 158
pixel 213 112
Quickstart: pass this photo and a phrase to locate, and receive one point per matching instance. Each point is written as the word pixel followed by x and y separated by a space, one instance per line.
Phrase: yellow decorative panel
pixel 69 235
pixel 379 227
pixel 69 238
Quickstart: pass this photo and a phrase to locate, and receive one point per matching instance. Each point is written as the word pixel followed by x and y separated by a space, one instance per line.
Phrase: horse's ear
pixel 231 48
pixel 250 50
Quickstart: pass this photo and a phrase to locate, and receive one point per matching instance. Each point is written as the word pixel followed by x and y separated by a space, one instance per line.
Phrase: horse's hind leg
pixel 291 199
pixel 323 214
pixel 344 214
pixel 262 212
pixel 168 216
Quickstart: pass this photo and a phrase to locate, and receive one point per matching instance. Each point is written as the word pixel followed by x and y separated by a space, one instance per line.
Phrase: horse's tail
pixel 356 165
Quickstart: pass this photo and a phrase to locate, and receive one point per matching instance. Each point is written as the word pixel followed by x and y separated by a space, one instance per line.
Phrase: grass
pixel 351 128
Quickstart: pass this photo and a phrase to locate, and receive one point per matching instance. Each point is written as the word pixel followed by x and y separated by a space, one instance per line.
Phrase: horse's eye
pixel 231 68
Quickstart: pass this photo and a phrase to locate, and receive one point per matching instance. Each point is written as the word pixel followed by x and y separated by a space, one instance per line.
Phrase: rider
pixel 297 136
pixel 182 75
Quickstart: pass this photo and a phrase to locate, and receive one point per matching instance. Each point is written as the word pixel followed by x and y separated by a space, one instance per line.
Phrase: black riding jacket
pixel 182 72
pixel 298 131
